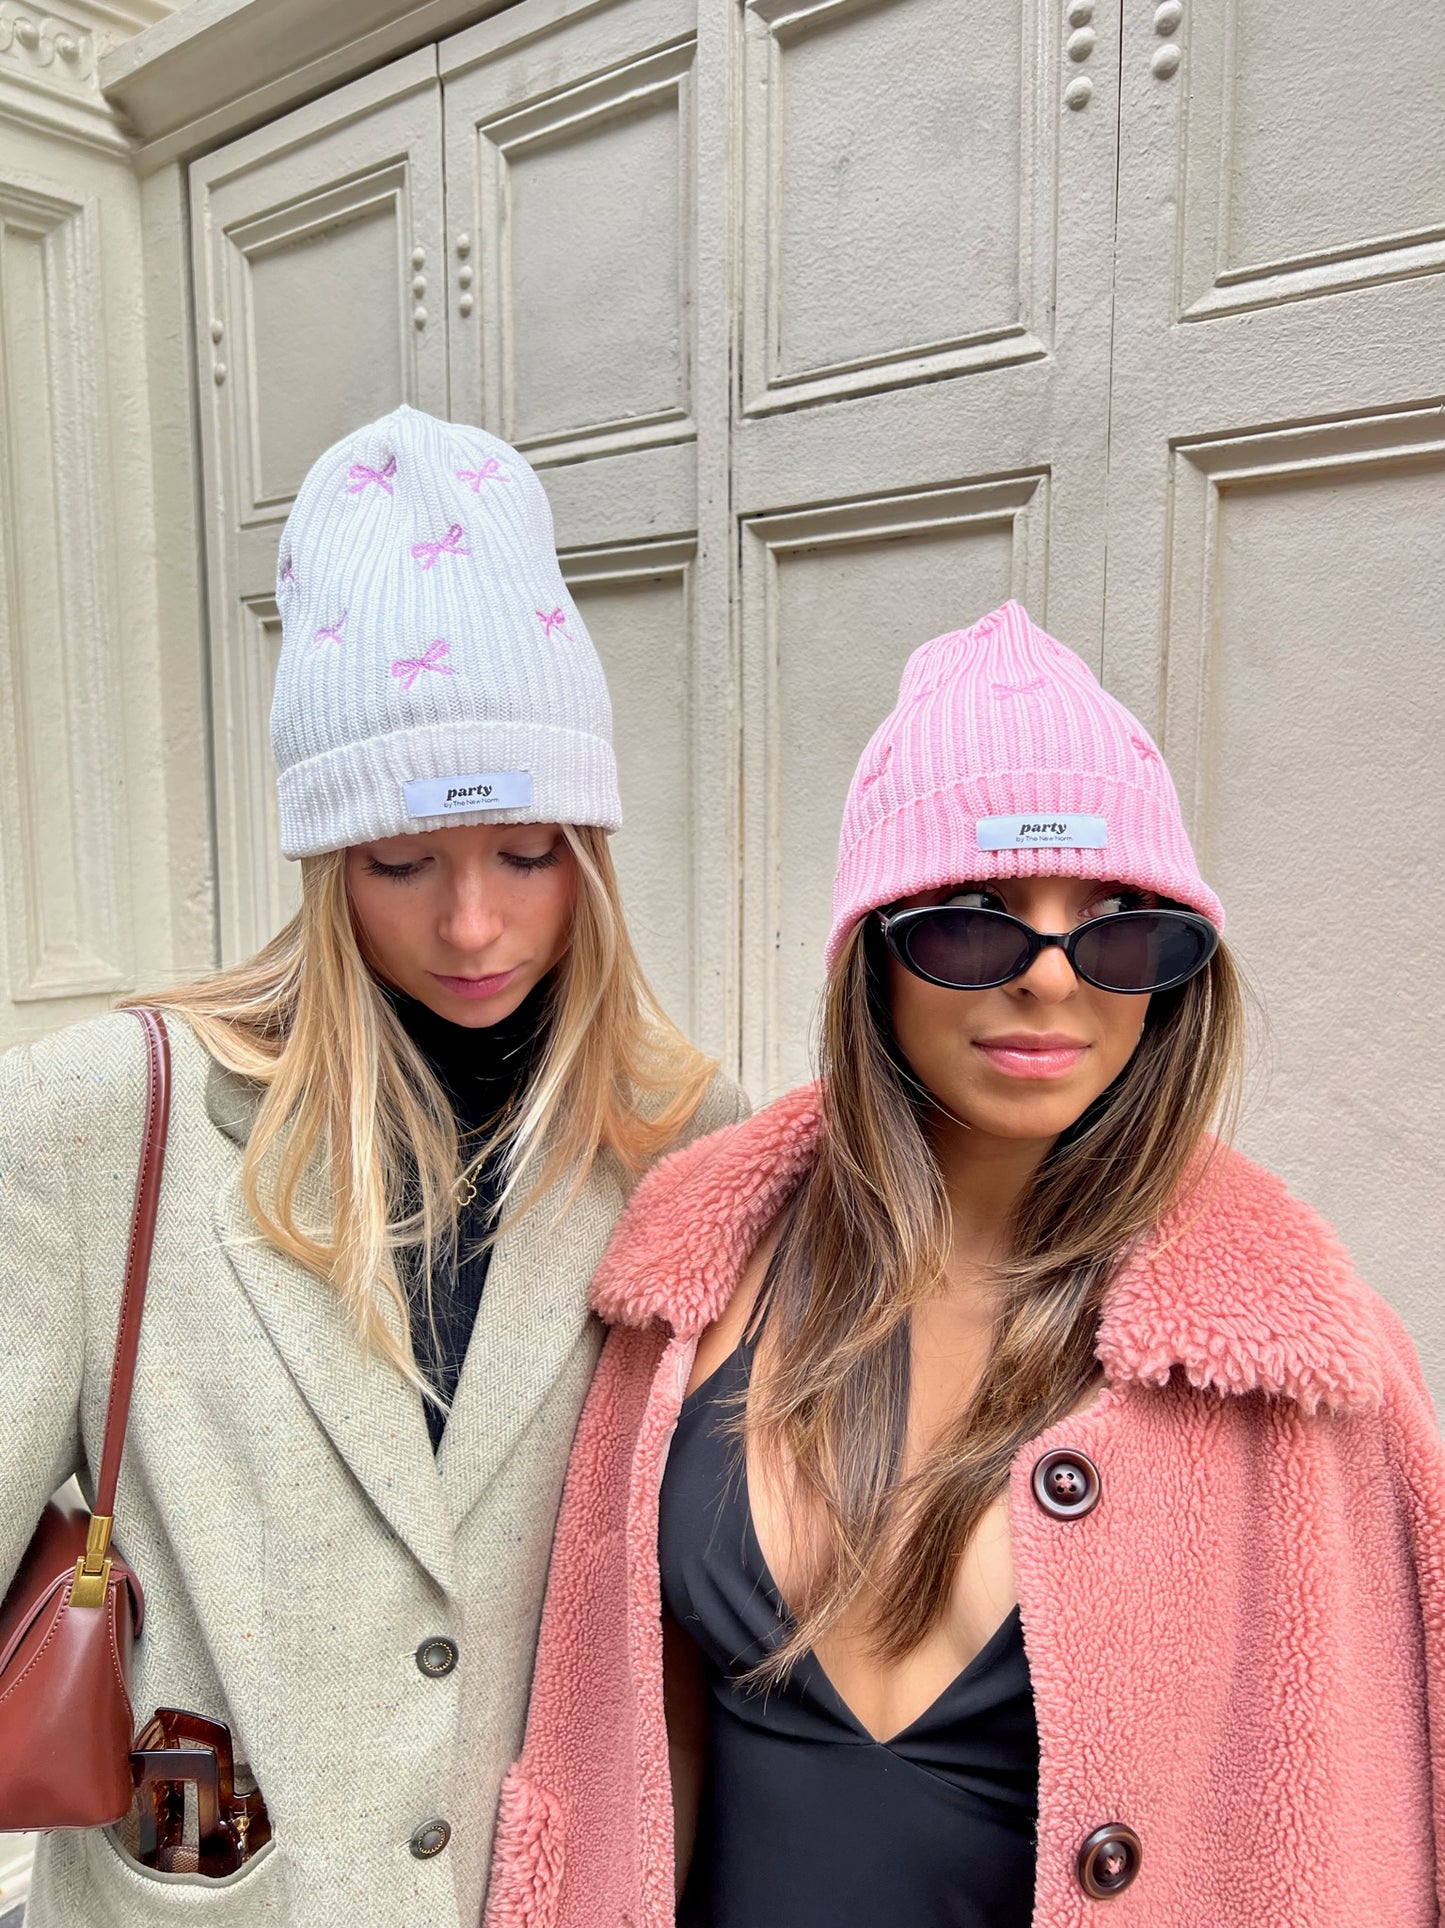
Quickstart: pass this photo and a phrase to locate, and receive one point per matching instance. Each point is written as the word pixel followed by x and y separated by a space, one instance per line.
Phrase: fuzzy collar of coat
pixel 1244 1289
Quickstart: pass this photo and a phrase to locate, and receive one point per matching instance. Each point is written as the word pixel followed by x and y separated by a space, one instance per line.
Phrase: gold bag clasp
pixel 92 1569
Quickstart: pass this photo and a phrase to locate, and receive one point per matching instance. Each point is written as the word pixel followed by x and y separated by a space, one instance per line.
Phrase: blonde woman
pixel 400 1138
pixel 998 1499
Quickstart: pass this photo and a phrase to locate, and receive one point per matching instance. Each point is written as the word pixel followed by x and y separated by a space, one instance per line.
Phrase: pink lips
pixel 472 987
pixel 1028 1054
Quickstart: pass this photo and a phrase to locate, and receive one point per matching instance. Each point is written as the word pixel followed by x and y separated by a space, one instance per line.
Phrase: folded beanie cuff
pixel 356 793
pixel 932 840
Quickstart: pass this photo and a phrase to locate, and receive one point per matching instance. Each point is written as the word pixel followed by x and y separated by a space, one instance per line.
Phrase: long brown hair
pixel 346 1093
pixel 864 1240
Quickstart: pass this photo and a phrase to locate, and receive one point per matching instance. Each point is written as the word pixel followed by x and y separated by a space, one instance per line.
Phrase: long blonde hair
pixel 864 1240
pixel 346 1093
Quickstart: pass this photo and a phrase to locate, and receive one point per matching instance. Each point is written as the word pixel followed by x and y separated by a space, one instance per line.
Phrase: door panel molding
pixel 67 896
pixel 664 709
pixel 262 888
pixel 1230 143
pixel 627 98
pixel 1305 700
pixel 312 220
pixel 777 35
pixel 1204 471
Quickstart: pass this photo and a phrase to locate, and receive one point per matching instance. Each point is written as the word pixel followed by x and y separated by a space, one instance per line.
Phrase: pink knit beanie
pixel 1005 758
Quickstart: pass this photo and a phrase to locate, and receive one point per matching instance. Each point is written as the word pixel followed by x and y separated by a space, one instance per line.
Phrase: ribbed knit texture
pixel 995 721
pixel 427 633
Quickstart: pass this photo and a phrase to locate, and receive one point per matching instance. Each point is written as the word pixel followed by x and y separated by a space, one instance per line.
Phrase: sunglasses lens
pixel 968 949
pixel 1143 950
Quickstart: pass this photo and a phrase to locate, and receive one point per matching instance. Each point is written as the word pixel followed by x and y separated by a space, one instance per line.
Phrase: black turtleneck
pixel 482 1072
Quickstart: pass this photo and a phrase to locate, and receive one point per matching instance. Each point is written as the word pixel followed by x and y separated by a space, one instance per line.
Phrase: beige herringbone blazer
pixel 296 1536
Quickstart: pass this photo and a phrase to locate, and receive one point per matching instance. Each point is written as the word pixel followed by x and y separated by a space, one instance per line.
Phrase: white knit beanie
pixel 434 669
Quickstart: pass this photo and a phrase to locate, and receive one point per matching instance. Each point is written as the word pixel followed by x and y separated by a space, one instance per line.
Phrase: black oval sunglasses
pixel 968 949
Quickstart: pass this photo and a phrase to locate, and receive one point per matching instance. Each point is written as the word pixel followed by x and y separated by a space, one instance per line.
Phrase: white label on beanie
pixel 1043 832
pixel 450 796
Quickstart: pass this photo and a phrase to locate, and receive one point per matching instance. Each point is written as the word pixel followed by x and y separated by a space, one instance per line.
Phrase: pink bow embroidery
pixel 288 574
pixel 361 477
pixel 426 553
pixel 1020 689
pixel 409 668
pixel 1147 752
pixel 885 757
pixel 549 623
pixel 331 632
pixel 490 471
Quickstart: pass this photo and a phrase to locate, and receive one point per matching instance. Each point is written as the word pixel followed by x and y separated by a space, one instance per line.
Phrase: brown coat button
pixel 1109 1860
pixel 1066 1483
pixel 430 1838
pixel 436 1657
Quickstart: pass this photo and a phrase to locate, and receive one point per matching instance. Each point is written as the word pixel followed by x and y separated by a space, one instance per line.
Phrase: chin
pixel 1029 1118
pixel 475 1015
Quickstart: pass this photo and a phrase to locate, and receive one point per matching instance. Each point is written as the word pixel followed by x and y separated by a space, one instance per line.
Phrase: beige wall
pixel 102 778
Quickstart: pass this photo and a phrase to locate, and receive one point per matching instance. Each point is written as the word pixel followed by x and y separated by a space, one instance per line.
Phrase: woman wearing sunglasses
pixel 998 1497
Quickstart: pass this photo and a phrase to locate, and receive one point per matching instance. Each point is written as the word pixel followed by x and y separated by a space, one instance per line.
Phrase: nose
pixel 1049 979
pixel 471 919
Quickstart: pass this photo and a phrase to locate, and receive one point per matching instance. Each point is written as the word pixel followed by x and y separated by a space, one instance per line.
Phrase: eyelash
pixel 528 864
pixel 1127 899
pixel 404 873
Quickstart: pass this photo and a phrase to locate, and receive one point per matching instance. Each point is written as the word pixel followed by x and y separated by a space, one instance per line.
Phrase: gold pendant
pixel 466 1192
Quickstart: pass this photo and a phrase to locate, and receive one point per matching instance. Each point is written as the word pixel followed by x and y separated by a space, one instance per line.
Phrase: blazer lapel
pixel 533 1313
pixel 372 1416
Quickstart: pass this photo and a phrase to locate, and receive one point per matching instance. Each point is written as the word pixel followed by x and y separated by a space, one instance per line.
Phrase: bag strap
pixel 95 1567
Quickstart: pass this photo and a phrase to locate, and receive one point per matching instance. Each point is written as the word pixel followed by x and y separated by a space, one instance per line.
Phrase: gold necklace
pixel 464 1192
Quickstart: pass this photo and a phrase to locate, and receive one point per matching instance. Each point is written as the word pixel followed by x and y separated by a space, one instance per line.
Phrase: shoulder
pixel 723 1103
pixel 85 1068
pixel 1245 1288
pixel 680 1247
pixel 105 1055
pixel 85 1085
pixel 71 1109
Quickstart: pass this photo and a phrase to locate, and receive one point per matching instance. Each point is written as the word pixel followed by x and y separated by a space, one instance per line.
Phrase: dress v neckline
pixel 823 1680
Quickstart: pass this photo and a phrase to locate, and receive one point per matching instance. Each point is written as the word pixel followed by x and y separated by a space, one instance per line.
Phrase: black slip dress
pixel 808 1821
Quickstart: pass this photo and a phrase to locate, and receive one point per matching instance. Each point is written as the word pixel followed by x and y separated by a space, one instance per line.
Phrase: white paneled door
pixel 1274 594
pixel 831 323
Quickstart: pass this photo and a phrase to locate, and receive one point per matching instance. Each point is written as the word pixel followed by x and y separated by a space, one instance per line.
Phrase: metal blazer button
pixel 1066 1483
pixel 436 1657
pixel 1109 1860
pixel 430 1838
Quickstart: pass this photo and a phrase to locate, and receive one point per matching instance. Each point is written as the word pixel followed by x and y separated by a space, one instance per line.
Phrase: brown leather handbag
pixel 71 1617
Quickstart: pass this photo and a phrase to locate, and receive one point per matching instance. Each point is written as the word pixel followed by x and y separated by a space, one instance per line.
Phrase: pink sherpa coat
pixel 1240 1652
